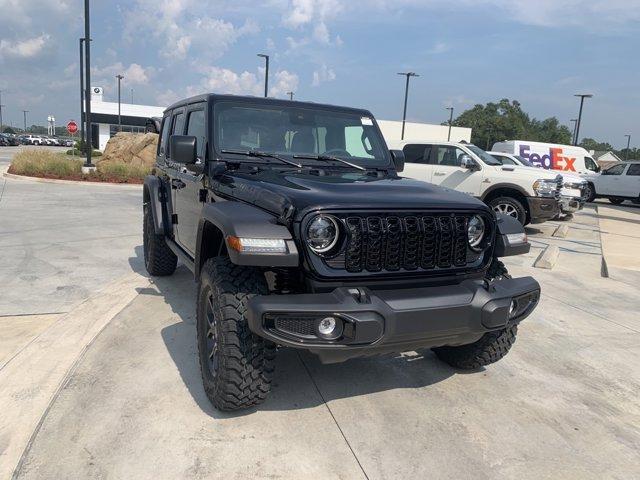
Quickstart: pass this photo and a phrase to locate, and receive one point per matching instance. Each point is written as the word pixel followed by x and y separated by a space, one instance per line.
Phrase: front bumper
pixel 387 321
pixel 571 204
pixel 542 209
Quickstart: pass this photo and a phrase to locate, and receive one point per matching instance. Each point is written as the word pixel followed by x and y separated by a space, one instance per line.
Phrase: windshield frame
pixel 374 163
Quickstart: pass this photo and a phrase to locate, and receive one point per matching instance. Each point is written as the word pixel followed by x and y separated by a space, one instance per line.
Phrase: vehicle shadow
pixel 301 381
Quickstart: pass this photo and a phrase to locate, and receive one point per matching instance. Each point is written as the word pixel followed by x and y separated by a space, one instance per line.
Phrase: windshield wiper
pixel 258 154
pixel 328 158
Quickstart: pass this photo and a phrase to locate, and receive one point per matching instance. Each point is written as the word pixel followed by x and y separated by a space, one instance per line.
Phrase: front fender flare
pixel 153 188
pixel 246 221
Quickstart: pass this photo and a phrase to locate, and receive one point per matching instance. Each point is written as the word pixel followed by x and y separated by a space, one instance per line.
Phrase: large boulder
pixel 131 148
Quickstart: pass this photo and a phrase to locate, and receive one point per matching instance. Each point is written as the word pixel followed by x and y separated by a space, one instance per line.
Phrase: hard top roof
pixel 262 100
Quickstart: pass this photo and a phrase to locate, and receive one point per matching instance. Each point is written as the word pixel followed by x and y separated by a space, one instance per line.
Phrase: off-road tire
pixel 616 201
pixel 590 192
pixel 159 260
pixel 242 364
pixel 491 347
pixel 512 205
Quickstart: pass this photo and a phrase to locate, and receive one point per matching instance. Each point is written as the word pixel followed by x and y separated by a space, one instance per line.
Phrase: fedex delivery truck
pixel 563 158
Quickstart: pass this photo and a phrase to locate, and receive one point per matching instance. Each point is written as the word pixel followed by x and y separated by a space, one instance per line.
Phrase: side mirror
pixel 467 162
pixel 183 149
pixel 398 159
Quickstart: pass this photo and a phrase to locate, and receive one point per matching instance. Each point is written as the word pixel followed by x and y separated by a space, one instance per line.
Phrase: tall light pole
pixel 132 96
pixel 626 154
pixel 24 117
pixel 573 133
pixel 290 95
pixel 450 120
pixel 1 105
pixel 87 79
pixel 82 87
pixel 119 77
pixel 1 111
pixel 406 96
pixel 582 97
pixel 266 73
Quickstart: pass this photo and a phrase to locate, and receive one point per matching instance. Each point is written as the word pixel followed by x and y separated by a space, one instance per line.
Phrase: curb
pixel 70 182
pixel 561 232
pixel 547 258
pixel 32 373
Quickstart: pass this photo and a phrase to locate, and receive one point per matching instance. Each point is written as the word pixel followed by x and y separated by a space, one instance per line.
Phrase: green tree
pixel 505 120
pixel 9 130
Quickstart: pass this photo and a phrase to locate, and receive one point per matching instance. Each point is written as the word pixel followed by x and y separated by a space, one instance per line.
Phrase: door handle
pixel 438 174
pixel 177 184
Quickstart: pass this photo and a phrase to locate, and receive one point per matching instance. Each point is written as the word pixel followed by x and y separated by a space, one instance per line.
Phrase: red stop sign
pixel 72 127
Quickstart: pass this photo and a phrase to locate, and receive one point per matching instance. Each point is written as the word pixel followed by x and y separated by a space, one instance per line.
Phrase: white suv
pixel 530 195
pixel 618 183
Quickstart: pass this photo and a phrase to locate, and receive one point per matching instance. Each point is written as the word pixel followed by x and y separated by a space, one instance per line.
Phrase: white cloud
pixel 134 74
pixel 315 14
pixel 224 80
pixel 324 74
pixel 439 47
pixel 28 48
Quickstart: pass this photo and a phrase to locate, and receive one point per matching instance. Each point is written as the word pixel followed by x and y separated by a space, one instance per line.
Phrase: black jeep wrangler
pixel 300 233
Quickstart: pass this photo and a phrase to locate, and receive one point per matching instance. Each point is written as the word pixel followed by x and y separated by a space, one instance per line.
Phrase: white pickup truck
pixel 530 195
pixel 618 183
pixel 574 188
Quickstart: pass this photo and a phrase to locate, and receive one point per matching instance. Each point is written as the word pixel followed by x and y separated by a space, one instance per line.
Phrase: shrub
pixel 123 172
pixel 76 152
pixel 36 163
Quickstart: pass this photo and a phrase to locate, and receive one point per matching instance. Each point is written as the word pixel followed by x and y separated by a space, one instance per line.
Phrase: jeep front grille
pixel 410 242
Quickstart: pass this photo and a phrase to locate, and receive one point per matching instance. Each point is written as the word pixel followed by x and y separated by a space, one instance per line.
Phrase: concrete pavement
pixel 110 387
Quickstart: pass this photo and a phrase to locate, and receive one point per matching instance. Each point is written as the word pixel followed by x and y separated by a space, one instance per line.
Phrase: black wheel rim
pixel 211 336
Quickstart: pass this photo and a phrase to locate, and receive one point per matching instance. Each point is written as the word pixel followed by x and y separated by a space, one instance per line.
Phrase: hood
pixel 277 191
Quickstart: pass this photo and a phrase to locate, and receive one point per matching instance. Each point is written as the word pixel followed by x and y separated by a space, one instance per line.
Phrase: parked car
pixel 530 195
pixel 4 142
pixel 618 183
pixel 574 187
pixel 300 233
pixel 551 156
pixel 34 140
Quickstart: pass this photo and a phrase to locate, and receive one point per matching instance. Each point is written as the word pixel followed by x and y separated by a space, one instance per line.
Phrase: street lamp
pixel 290 95
pixel 87 79
pixel 450 120
pixel 24 115
pixel 266 73
pixel 406 96
pixel 1 105
pixel 132 96
pixel 626 154
pixel 119 77
pixel 582 97
pixel 573 133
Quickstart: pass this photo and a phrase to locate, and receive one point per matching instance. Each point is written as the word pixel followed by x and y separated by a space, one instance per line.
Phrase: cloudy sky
pixel 348 52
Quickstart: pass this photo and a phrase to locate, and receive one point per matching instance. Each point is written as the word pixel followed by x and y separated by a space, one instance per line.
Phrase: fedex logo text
pixel 554 160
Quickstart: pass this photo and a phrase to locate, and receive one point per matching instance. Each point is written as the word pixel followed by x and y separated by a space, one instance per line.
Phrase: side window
pixel 590 164
pixel 178 124
pixel 634 169
pixel 163 143
pixel 449 156
pixel 615 170
pixel 196 128
pixel 414 153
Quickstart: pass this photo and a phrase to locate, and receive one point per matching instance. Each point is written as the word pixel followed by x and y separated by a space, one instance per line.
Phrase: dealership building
pixel 104 123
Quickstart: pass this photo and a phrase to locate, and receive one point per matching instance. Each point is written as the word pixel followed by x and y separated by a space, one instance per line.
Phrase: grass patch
pixel 38 163
pixel 77 153
pixel 48 164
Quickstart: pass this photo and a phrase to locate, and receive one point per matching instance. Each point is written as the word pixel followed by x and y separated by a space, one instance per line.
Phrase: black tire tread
pixel 160 261
pixel 247 361
pixel 492 347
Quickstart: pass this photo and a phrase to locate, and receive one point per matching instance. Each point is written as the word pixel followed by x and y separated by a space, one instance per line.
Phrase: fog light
pixel 327 326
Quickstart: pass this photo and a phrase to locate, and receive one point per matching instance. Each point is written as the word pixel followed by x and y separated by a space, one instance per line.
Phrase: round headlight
pixel 322 233
pixel 475 231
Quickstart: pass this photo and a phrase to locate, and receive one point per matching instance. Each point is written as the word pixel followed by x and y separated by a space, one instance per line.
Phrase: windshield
pixel 291 130
pixel 524 161
pixel 484 156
